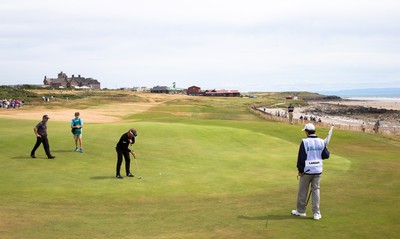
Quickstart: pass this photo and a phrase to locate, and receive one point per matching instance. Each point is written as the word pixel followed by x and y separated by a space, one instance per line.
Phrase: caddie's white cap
pixel 309 127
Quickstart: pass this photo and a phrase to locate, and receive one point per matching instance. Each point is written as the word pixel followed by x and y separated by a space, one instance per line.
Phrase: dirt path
pixel 99 114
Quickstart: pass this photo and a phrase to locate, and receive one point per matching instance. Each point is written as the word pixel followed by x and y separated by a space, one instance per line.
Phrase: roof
pixel 222 92
pixel 56 80
pixel 160 88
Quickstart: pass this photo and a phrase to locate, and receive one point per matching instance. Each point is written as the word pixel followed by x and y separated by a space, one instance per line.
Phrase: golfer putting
pixel 312 152
pixel 123 150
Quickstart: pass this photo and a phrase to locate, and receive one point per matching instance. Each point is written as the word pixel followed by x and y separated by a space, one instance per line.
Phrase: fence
pixel 368 128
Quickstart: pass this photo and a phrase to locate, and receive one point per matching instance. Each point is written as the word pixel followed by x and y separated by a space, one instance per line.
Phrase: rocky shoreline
pixel 355 111
pixel 338 111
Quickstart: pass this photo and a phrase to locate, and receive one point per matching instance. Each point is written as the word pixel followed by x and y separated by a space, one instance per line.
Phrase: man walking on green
pixel 41 137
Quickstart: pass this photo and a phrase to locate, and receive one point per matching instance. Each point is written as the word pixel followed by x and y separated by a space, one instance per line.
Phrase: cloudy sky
pixel 248 45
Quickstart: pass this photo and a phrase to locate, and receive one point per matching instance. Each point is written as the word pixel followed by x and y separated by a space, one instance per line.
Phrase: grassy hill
pixel 209 167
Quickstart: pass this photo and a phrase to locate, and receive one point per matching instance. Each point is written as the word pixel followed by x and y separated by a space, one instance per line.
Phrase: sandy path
pixel 99 114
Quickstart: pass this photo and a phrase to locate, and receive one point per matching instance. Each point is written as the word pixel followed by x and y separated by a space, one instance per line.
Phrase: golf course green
pixel 210 168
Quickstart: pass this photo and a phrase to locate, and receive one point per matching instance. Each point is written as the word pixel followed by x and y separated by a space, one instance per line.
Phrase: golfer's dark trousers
pixel 45 142
pixel 127 157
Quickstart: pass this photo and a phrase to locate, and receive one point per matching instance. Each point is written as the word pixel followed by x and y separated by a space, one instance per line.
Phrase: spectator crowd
pixel 11 104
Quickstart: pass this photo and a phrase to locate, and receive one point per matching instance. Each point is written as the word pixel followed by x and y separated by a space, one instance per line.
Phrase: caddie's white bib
pixel 314 148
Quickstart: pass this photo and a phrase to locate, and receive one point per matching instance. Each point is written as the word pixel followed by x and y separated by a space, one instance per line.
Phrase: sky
pixel 245 45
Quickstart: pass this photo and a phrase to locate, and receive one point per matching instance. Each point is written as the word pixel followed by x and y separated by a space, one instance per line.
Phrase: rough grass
pixel 210 169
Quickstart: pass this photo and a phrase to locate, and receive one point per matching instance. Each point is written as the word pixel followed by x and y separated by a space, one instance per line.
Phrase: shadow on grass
pixel 270 217
pixel 29 157
pixel 63 151
pixel 102 177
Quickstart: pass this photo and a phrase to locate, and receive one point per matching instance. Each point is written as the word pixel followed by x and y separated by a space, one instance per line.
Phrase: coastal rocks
pixel 323 98
pixel 357 112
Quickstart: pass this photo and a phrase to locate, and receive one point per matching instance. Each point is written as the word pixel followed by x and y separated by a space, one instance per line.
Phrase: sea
pixel 394 98
pixel 381 97
pixel 375 94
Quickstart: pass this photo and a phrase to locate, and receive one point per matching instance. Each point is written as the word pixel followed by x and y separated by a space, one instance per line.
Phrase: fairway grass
pixel 205 174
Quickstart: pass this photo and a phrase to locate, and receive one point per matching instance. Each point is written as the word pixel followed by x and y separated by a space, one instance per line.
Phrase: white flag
pixel 328 137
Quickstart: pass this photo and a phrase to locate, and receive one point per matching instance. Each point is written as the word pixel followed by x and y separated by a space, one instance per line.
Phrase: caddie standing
pixel 311 154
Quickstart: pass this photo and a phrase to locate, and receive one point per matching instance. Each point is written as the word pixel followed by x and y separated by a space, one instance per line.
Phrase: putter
pixel 137 166
pixel 308 199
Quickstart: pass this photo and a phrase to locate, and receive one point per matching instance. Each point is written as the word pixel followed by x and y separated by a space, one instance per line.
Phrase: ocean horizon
pixel 382 94
pixel 383 97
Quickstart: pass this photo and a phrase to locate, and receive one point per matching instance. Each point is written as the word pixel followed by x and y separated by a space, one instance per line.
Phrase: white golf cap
pixel 309 127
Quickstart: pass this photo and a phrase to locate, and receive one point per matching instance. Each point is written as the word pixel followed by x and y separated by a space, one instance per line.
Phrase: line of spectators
pixel 310 118
pixel 11 104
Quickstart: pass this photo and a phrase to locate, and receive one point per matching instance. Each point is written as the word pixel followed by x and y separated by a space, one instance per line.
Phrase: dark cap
pixel 133 132
pixel 46 117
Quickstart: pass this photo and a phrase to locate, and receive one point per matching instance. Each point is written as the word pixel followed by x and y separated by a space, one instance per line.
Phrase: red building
pixel 194 90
